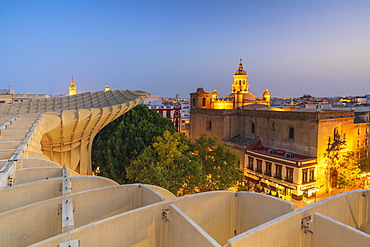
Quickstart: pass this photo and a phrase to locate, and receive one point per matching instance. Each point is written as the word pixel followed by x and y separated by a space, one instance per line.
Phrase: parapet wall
pixel 42 220
pixel 205 219
pixel 348 213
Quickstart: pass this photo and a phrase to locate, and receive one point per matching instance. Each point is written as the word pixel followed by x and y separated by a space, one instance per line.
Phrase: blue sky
pixel 320 48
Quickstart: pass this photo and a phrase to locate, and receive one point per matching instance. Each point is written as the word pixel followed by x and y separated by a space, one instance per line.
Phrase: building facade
pixel 9 96
pixel 275 171
pixel 48 197
pixel 169 110
pixel 239 96
pixel 292 143
pixel 172 112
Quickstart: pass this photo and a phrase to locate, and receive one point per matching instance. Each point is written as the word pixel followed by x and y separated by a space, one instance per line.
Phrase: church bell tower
pixel 72 88
pixel 240 80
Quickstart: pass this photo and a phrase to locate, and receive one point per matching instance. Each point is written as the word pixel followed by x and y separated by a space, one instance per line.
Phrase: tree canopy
pixel 342 165
pixel 184 166
pixel 124 139
pixel 348 169
pixel 142 146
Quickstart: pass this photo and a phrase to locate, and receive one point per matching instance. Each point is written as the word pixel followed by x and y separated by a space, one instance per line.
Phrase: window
pixel 312 174
pixel 366 142
pixel 278 171
pixel 304 175
pixel 268 168
pixel 193 102
pixel 250 163
pixel 177 113
pixel 259 166
pixel 209 125
pixel 358 143
pixel 358 131
pixel 291 133
pixel 203 101
pixel 289 175
pixel 253 128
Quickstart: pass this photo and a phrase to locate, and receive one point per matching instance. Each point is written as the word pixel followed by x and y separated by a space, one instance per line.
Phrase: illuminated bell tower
pixel 267 96
pixel 72 88
pixel 240 80
pixel 214 95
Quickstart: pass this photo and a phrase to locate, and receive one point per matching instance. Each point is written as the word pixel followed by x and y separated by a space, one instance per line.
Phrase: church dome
pixel 246 96
pixel 249 96
pixel 230 96
pixel 240 70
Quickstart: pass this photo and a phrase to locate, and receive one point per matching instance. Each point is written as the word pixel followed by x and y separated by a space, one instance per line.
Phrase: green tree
pixel 167 163
pixel 220 164
pixel 342 165
pixel 348 169
pixel 365 159
pixel 184 167
pixel 124 139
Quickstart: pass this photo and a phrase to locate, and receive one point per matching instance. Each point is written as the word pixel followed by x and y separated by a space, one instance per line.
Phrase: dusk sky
pixel 173 47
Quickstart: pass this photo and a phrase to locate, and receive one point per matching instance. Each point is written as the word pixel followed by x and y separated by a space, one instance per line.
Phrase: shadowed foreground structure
pixel 48 197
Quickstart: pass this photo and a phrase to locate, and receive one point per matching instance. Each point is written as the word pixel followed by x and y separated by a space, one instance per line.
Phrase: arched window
pixel 209 126
pixel 194 101
pixel 253 128
pixel 204 101
pixel 291 133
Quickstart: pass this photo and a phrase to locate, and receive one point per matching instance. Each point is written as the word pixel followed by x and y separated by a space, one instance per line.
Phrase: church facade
pixel 239 96
pixel 282 151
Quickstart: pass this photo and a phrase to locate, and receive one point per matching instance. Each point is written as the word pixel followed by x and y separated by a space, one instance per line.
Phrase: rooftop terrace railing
pixel 9 168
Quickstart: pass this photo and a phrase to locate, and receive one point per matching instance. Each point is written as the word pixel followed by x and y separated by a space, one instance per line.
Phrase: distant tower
pixel 72 88
pixel 214 95
pixel 240 80
pixel 267 96
pixel 107 88
pixel 200 99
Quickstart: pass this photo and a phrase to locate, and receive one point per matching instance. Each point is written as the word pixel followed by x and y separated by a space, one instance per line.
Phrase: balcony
pixel 307 182
pixel 289 180
pixel 268 174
